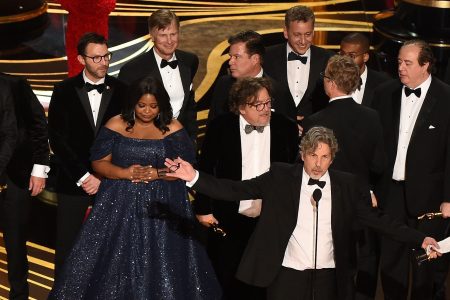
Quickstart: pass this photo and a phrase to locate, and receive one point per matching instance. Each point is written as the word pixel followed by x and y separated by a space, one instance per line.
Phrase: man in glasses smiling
pixel 241 144
pixel 79 107
pixel 356 46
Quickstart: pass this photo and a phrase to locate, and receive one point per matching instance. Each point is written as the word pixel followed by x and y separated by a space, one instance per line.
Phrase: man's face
pixel 355 52
pixel 251 113
pixel 95 71
pixel 241 63
pixel 316 163
pixel 165 40
pixel 410 72
pixel 300 35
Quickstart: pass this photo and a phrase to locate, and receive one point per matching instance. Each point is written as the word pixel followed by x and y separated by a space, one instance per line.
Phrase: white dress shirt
pixel 172 83
pixel 410 107
pixel 298 75
pixel 300 251
pixel 255 150
pixel 358 94
pixel 95 99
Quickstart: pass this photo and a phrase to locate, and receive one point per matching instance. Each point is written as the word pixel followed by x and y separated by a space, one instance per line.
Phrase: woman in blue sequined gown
pixel 138 242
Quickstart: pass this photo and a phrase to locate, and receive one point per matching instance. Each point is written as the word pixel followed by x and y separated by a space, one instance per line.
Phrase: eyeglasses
pixel 260 106
pixel 322 74
pixel 352 55
pixel 174 168
pixel 98 59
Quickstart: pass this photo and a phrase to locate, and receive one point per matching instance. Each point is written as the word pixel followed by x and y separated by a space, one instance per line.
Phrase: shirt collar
pixel 243 122
pixel 340 97
pixel 423 86
pixel 325 177
pixel 364 75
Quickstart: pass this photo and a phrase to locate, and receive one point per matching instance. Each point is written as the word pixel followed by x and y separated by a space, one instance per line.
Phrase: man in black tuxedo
pixel 234 149
pixel 280 254
pixel 79 107
pixel 175 68
pixel 361 152
pixel 297 63
pixel 8 129
pixel 246 57
pixel 415 115
pixel 356 46
pixel 26 173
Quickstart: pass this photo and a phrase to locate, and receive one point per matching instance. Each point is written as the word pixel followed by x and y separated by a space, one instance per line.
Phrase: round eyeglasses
pixel 97 59
pixel 261 105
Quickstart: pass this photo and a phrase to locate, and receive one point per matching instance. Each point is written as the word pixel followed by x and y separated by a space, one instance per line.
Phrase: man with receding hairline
pixel 415 115
pixel 280 254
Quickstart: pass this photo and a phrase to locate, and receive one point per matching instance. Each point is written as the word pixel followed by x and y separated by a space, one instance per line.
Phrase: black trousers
pixel 428 280
pixel 225 254
pixel 293 284
pixel 70 214
pixel 368 258
pixel 16 210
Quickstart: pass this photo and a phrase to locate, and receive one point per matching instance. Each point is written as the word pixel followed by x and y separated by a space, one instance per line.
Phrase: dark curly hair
pixel 152 86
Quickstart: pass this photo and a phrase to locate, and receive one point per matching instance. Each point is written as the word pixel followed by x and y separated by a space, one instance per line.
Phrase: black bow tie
pixel 416 92
pixel 295 56
pixel 99 87
pixel 319 183
pixel 173 64
pixel 249 128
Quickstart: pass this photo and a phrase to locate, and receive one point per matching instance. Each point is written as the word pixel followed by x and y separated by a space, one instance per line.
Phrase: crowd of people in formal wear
pixel 310 179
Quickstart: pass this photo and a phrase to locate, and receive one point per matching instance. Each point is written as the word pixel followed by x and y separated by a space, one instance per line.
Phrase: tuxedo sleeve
pixel 190 114
pixel 37 126
pixel 58 129
pixel 8 126
pixel 381 222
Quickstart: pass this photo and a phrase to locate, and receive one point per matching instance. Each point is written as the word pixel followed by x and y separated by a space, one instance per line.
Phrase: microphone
pixel 317 195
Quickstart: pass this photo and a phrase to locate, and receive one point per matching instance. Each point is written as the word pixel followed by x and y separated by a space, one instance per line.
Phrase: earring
pixel 134 115
pixel 157 117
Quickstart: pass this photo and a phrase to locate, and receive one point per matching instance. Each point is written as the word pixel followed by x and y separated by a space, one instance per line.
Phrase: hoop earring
pixel 158 116
pixel 134 115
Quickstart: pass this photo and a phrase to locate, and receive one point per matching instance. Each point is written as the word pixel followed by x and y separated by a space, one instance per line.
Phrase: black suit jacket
pixel 220 98
pixel 280 190
pixel 8 128
pixel 374 79
pixel 72 130
pixel 314 99
pixel 359 134
pixel 221 156
pixel 31 146
pixel 427 172
pixel 145 64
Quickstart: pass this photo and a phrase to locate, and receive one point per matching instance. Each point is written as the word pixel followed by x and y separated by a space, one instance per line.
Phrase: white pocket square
pixel 431 127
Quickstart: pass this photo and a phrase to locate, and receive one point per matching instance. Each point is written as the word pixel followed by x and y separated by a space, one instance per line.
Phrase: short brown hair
pixel 299 13
pixel 253 42
pixel 245 90
pixel 162 18
pixel 425 54
pixel 314 136
pixel 344 72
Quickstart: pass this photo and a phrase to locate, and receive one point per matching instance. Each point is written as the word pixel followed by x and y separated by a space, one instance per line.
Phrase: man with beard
pixel 79 107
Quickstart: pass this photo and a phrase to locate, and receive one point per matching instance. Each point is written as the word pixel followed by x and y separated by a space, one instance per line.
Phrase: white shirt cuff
pixel 80 181
pixel 40 171
pixel 193 181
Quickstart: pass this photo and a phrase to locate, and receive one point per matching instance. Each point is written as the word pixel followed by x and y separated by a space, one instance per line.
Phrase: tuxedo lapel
pixel 283 65
pixel 84 100
pixel 368 88
pixel 336 214
pixel 154 65
pixel 314 71
pixel 295 186
pixel 427 107
pixel 396 105
pixel 234 139
pixel 104 103
pixel 184 73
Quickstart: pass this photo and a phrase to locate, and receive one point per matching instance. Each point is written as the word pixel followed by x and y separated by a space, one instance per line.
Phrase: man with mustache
pixel 281 254
pixel 79 107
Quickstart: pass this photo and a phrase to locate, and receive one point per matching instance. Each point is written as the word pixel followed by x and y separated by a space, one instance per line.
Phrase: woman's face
pixel 146 108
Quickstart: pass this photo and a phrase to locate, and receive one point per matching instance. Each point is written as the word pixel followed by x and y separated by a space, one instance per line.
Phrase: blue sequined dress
pixel 139 241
